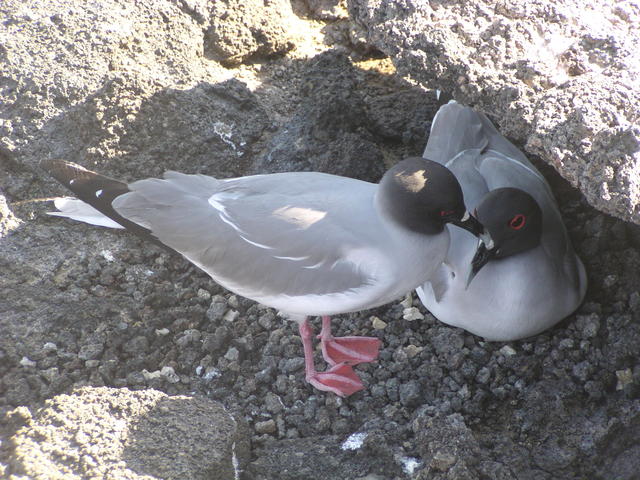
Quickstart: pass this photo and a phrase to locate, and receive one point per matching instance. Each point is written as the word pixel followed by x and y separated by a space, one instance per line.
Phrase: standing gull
pixel 302 242
pixel 527 277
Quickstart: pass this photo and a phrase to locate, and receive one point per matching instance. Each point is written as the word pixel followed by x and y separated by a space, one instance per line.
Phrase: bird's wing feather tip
pixel 78 210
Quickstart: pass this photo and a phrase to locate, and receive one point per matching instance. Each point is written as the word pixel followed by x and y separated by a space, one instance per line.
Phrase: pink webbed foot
pixel 339 379
pixel 348 350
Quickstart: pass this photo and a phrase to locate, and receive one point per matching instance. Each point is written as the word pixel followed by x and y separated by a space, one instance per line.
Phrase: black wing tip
pixel 98 191
pixel 77 178
pixel 65 171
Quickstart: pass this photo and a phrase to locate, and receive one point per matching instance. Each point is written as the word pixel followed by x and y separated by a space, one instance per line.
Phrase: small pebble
pixel 409 464
pixel 268 426
pixel 216 310
pixel 483 375
pixel 410 393
pixel 273 403
pixel 233 301
pixel 411 314
pixel 588 325
pixel 378 324
pixel 292 365
pixel 50 374
pixel 582 370
pixel 625 377
pixel 151 375
pixel 507 350
pixel 231 315
pixel 354 441
pixel 407 302
pixel 169 374
pixel 266 320
pixel 25 362
pixel 412 350
pixel 232 354
pixel 90 351
pixel 211 373
pixel 566 344
pixel 443 461
pixel 188 336
pixel 203 294
pixel 49 347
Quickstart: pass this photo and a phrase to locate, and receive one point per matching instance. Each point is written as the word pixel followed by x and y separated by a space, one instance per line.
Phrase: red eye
pixel 444 213
pixel 518 221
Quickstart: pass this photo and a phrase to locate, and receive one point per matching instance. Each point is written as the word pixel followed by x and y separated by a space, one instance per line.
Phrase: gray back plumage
pixel 260 235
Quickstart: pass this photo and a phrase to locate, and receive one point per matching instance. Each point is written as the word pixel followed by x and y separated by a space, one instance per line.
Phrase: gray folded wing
pixel 284 234
pixel 457 128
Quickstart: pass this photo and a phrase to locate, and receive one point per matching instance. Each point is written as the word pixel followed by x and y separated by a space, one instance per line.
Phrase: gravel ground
pixel 563 404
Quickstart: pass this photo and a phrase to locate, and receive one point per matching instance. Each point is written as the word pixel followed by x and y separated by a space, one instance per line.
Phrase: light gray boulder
pixel 561 78
pixel 118 433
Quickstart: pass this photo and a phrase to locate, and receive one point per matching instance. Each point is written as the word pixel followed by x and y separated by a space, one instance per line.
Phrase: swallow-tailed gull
pixel 305 243
pixel 527 276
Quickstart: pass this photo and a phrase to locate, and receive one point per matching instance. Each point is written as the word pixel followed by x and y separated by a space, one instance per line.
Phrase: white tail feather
pixel 75 209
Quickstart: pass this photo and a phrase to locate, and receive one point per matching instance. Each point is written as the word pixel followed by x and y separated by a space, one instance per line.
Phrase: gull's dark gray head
pixel 513 219
pixel 423 196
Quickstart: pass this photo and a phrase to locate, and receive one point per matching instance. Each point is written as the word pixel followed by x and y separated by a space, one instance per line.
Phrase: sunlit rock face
pixel 561 78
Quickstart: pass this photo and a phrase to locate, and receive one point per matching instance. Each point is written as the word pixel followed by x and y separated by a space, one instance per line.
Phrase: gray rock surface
pixel 563 78
pixel 118 433
pixel 240 30
pixel 127 88
pixel 324 457
pixel 8 220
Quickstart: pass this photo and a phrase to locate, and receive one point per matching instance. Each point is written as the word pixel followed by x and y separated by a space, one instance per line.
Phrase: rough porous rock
pixel 128 89
pixel 331 120
pixel 563 78
pixel 322 9
pixel 137 86
pixel 244 29
pixel 321 457
pixel 8 220
pixel 119 433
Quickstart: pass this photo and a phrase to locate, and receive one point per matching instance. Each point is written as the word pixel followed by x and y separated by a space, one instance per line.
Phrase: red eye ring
pixel 518 221
pixel 444 213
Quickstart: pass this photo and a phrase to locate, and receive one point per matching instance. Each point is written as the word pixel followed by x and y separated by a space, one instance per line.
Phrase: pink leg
pixel 348 350
pixel 339 379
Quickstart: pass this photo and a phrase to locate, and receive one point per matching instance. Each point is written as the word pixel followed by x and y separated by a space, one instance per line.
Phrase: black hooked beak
pixel 484 253
pixel 468 222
